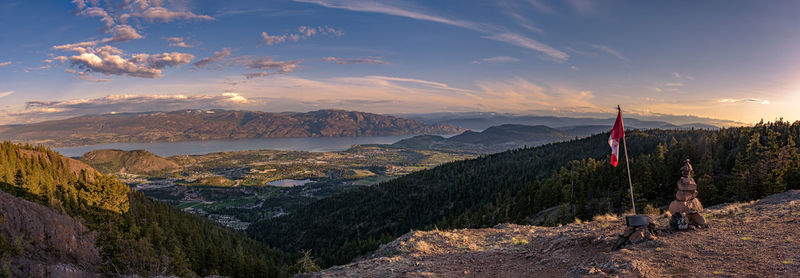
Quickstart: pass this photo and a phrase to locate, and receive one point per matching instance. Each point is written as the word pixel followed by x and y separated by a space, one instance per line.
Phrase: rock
pixel 54 244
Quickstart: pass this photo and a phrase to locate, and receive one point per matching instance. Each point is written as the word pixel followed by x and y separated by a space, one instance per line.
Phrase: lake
pixel 312 144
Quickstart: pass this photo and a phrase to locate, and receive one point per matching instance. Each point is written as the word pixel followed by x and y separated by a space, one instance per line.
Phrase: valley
pixel 236 188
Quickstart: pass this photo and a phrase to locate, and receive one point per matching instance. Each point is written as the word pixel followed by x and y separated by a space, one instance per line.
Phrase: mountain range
pixel 190 125
pixel 483 120
pixel 493 139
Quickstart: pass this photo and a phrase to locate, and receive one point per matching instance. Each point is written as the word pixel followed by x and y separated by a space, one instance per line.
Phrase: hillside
pixel 43 242
pixel 513 186
pixel 753 239
pixel 119 231
pixel 185 125
pixel 493 139
pixel 134 162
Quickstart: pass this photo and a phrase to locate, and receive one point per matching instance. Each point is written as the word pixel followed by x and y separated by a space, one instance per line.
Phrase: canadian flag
pixel 613 140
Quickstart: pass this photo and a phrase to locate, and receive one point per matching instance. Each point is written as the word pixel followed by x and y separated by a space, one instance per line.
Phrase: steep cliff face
pixel 44 243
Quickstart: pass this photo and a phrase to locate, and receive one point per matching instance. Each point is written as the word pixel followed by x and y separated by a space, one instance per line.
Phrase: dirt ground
pixel 756 239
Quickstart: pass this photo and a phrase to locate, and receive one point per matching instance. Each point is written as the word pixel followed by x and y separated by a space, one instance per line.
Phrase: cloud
pixel 682 76
pixel 522 41
pixel 154 14
pixel 496 60
pixel 154 11
pixel 582 6
pixel 518 94
pixel 235 97
pixel 3 64
pixel 218 56
pixel 611 52
pixel 119 33
pixel 581 52
pixel 177 42
pixel 109 60
pixel 6 93
pixel 303 32
pixel 492 33
pixel 84 75
pixel 97 12
pixel 38 110
pixel 349 61
pixel 267 64
pixel 375 7
pixel 542 7
pixel 744 100
pixel 511 9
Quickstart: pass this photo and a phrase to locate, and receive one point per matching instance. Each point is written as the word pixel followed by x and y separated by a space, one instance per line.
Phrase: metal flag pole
pixel 627 163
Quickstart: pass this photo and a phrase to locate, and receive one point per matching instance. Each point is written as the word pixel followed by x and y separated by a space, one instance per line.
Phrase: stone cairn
pixel 686 208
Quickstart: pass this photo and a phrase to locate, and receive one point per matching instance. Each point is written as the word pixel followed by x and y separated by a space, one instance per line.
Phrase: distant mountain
pixel 480 121
pixel 187 125
pixel 493 139
pixel 134 162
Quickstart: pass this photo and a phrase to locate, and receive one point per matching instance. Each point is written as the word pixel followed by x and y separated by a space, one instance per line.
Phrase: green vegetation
pixel 136 235
pixel 731 165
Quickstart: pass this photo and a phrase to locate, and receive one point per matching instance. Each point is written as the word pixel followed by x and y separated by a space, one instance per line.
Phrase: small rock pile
pixel 639 233
pixel 686 208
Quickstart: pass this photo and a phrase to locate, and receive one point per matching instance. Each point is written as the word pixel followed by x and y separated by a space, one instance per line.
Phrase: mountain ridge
pixel 189 125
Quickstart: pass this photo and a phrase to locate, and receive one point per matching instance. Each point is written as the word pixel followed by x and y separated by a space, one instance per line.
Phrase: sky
pixel 736 61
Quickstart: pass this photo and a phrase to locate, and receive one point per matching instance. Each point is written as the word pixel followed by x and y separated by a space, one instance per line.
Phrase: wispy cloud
pixel 38 110
pixel 349 61
pixel 496 60
pixel 217 57
pixel 581 52
pixel 177 42
pixel 674 84
pixel 541 6
pixel 744 100
pixel 6 93
pixel 303 32
pixel 525 42
pixel 611 52
pixel 3 64
pixel 583 6
pixel 681 76
pixel 268 65
pixel 492 32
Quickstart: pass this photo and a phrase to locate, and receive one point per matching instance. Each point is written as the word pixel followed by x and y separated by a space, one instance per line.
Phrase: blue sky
pixel 731 60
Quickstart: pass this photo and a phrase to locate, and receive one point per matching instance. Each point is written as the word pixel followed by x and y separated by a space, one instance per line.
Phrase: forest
pixel 731 164
pixel 136 235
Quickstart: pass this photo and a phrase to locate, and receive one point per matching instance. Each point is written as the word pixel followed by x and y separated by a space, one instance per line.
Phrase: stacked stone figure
pixel 686 208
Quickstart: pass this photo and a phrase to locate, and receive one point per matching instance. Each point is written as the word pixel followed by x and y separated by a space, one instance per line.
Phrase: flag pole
pixel 627 163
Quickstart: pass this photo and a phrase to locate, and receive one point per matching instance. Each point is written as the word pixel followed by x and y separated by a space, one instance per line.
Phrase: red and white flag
pixel 613 140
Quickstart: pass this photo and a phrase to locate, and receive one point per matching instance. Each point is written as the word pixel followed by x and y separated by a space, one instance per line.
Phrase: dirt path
pixel 758 239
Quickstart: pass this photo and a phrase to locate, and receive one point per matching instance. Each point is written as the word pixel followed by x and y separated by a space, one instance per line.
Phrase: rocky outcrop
pixel 45 243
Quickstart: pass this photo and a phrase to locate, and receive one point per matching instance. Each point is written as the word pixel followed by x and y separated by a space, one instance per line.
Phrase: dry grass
pixel 605 218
